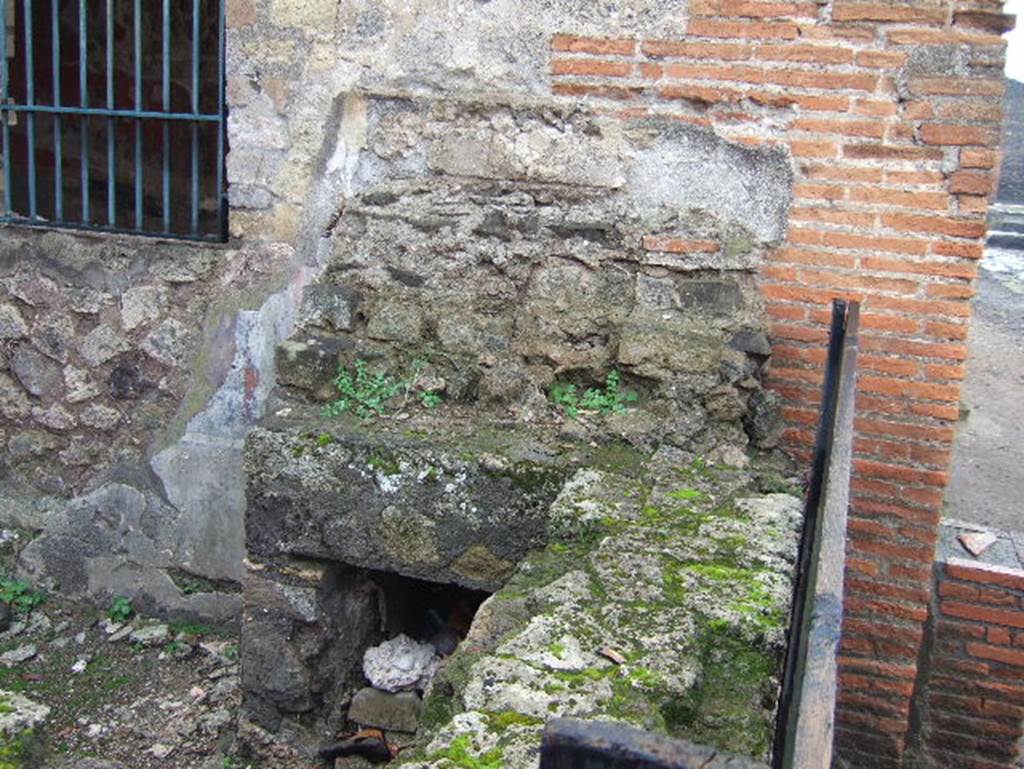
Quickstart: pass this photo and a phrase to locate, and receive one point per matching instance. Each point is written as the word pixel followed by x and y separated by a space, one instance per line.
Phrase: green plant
pixel 184 627
pixel 367 394
pixel 20 596
pixel 362 393
pixel 608 400
pixel 173 647
pixel 121 610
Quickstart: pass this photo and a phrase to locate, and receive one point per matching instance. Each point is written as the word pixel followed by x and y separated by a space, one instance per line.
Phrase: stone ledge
pixel 685 574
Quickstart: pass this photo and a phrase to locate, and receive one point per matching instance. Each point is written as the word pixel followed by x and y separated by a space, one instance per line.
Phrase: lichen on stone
pixel 682 570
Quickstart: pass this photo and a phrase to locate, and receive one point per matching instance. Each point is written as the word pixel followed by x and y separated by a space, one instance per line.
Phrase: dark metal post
pixel 58 153
pixel 83 81
pixel 4 115
pixel 30 87
pixel 111 161
pixel 166 102
pixel 194 221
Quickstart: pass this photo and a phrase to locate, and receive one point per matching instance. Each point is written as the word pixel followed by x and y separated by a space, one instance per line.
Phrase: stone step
pixel 1012 241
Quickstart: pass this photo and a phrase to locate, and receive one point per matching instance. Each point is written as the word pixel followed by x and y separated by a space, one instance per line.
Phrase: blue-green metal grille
pixel 148 163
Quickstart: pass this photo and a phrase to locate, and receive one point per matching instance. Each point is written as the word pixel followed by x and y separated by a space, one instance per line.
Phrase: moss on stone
pixel 621 458
pixel 500 722
pixel 460 754
pixel 726 708
pixel 19 751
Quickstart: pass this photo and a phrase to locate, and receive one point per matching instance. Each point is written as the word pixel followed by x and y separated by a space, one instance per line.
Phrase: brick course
pixel 892 167
pixel 972 703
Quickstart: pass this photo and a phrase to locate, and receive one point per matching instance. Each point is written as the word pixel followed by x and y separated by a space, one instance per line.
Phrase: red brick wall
pixel 891 113
pixel 973 699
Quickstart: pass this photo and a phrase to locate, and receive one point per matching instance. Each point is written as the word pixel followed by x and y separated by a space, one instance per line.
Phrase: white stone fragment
pixel 977 542
pixel 400 664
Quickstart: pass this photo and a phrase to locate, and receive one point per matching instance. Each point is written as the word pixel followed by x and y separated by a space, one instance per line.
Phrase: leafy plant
pixel 431 400
pixel 607 400
pixel 121 609
pixel 367 394
pixel 362 393
pixel 20 596
pixel 173 647
pixel 187 628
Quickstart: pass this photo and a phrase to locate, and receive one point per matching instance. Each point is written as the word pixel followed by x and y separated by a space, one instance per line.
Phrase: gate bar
pixel 138 109
pixel 83 81
pixel 111 161
pixel 222 218
pixel 58 154
pixel 166 101
pixel 30 89
pixel 194 221
pixel 4 74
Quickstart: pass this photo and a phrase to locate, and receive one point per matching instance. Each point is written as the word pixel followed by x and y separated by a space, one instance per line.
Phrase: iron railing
pixel 804 723
pixel 116 104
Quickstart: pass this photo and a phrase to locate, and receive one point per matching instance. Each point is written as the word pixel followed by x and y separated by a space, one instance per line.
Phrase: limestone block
pixel 101 344
pixel 466 510
pixel 313 14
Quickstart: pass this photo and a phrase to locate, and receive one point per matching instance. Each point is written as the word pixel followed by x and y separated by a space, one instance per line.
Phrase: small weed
pixel 121 610
pixel 431 400
pixel 367 394
pixel 231 653
pixel 173 647
pixel 324 439
pixel 609 400
pixel 362 393
pixel 20 596
pixel 183 627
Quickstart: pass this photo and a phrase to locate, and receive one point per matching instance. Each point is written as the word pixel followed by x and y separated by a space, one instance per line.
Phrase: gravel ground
pixel 118 700
pixel 987 482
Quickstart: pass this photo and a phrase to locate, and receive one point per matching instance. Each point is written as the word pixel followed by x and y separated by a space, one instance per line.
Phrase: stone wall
pixel 1011 170
pixel 889 114
pixel 609 146
pixel 130 369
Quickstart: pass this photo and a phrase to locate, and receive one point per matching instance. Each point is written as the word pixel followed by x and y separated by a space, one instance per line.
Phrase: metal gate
pixel 113 116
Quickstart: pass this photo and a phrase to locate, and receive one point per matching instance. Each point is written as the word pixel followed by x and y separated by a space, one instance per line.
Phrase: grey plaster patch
pixel 204 482
pixel 117 540
pixel 1003 552
pixel 684 167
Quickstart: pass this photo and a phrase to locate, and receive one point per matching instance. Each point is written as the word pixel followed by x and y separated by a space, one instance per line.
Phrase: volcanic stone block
pixel 454 509
pixel 392 712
